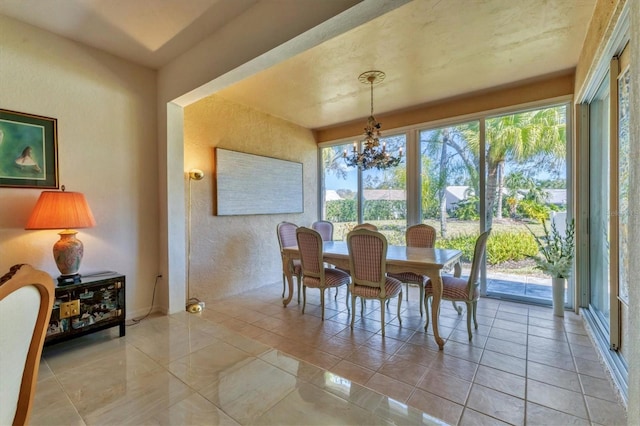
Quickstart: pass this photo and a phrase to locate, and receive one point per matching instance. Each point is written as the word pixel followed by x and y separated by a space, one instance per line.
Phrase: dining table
pixel 424 261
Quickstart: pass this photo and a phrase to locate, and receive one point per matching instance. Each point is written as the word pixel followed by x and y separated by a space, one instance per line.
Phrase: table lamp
pixel 63 210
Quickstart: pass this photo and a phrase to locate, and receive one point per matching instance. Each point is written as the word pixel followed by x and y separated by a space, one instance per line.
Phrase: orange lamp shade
pixel 61 210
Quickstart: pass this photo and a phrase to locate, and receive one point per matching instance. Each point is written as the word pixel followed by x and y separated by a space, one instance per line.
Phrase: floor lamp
pixel 194 305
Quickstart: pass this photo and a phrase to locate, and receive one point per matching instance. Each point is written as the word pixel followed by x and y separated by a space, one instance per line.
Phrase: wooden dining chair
pixel 314 272
pixel 26 300
pixel 457 289
pixel 287 238
pixel 365 225
pixel 368 267
pixel 420 235
pixel 370 227
pixel 324 228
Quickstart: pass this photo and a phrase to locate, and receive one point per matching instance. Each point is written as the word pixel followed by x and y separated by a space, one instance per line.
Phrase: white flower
pixel 556 251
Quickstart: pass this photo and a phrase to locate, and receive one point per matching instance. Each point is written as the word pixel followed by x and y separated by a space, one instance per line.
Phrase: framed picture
pixel 28 150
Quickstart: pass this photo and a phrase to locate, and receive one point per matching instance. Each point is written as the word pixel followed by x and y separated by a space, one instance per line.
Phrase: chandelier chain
pixel 371 85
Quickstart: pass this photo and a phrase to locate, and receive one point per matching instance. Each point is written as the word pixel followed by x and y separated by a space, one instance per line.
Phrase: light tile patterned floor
pixel 248 360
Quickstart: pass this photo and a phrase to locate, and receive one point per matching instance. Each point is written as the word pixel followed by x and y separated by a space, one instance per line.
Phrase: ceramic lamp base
pixel 67 252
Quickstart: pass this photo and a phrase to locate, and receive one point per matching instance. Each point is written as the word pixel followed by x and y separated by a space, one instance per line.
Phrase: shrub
pixel 510 246
pixel 341 210
pixel 463 242
pixel 501 246
pixel 467 209
pixel 385 209
pixel 533 210
pixel 393 232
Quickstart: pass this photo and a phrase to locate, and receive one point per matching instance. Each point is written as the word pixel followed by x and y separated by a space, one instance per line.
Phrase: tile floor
pixel 248 360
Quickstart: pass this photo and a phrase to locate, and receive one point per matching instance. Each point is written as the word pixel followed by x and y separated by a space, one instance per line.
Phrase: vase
pixel 557 285
pixel 67 252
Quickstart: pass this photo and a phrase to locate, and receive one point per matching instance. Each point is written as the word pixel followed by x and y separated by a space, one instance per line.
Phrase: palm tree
pixel 521 137
pixel 447 156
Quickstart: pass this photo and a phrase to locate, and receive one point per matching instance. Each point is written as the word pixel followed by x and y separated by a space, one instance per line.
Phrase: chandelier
pixel 374 154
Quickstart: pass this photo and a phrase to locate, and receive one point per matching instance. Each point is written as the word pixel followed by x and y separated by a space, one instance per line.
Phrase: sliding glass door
pixel 599 223
pixel 606 278
pixel 526 185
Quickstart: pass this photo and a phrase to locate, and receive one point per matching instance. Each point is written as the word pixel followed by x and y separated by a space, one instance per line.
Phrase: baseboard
pixel 132 314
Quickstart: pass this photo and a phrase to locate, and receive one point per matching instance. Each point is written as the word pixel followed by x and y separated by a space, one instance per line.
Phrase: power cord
pixel 136 321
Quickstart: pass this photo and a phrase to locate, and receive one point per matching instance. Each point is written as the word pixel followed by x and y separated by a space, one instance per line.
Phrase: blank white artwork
pixel 250 184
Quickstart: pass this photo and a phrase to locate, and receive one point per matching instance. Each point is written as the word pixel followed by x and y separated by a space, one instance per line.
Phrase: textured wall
pixel 253 42
pixel 106 148
pixel 232 254
pixel 605 15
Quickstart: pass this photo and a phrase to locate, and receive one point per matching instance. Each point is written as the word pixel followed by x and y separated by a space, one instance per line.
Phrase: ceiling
pixel 429 49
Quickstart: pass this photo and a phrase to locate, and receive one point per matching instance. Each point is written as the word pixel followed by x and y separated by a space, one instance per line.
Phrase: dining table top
pixel 396 255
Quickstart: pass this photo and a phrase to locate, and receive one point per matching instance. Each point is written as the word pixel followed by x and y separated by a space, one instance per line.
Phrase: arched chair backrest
pixel 421 235
pixel 369 226
pixel 26 300
pixel 367 258
pixel 324 228
pixel 287 234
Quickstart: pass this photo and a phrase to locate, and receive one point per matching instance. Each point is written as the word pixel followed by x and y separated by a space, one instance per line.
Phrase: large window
pixel 350 196
pixel 505 172
pixel 339 191
pixel 384 195
pixel 450 179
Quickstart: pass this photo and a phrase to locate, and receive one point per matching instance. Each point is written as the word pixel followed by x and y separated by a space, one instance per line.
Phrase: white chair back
pixel 26 299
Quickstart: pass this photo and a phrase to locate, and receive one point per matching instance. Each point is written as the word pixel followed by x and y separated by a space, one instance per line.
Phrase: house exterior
pixel 127 133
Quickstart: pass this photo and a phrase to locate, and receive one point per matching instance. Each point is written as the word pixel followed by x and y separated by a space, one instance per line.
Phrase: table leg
pixel 436 281
pixel 289 275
